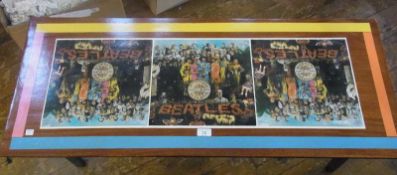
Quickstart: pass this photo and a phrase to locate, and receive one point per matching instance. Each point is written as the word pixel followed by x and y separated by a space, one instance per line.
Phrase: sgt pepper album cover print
pixel 305 83
pixel 98 83
pixel 202 82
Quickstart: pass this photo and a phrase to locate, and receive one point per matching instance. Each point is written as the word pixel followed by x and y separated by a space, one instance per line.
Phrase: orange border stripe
pixel 379 85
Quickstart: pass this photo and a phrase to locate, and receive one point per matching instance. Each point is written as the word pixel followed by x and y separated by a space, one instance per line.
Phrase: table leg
pixel 77 161
pixel 8 160
pixel 334 164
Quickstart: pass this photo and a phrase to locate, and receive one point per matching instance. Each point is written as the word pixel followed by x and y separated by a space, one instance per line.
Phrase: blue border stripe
pixel 248 142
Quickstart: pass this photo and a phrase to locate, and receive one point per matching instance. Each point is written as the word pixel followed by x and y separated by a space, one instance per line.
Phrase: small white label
pixel 29 132
pixel 204 132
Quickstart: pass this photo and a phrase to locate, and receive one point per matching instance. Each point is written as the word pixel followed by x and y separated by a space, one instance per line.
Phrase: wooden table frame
pixel 373 82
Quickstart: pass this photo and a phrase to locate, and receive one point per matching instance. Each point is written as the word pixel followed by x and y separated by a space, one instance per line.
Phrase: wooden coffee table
pixel 274 88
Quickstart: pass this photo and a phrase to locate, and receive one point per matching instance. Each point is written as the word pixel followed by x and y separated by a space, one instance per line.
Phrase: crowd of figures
pixel 220 66
pixel 305 81
pixel 225 66
pixel 75 95
pixel 86 98
pixel 214 75
pixel 335 107
pixel 288 97
pixel 124 108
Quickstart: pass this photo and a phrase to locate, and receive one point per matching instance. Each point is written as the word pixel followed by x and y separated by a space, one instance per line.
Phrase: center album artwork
pixel 98 83
pixel 202 82
pixel 305 83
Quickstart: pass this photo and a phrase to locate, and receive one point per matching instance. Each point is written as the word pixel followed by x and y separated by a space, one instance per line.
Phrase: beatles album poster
pixel 98 83
pixel 305 83
pixel 202 82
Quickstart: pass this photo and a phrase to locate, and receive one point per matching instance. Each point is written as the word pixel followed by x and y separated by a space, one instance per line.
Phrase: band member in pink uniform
pixel 313 89
pixel 105 90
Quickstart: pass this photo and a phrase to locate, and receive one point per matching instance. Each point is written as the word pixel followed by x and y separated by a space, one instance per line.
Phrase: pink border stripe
pixel 28 84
